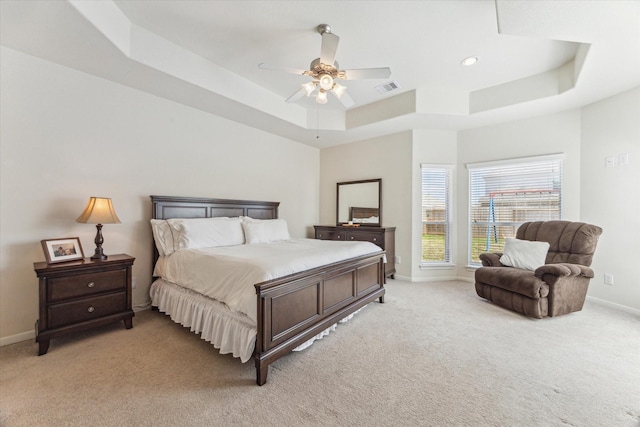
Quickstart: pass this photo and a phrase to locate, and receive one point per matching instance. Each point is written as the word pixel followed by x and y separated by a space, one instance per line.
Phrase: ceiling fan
pixel 325 71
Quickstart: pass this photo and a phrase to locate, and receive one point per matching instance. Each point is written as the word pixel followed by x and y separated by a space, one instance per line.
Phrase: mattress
pixel 228 274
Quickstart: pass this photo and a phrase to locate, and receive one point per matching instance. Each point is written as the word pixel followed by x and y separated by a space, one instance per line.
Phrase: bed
pixel 290 311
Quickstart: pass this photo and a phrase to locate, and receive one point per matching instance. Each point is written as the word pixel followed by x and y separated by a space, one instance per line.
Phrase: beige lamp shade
pixel 99 210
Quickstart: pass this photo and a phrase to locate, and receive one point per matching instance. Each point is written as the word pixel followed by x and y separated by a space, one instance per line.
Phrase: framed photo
pixel 61 250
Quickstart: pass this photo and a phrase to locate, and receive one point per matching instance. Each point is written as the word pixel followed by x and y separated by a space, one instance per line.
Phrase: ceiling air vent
pixel 388 87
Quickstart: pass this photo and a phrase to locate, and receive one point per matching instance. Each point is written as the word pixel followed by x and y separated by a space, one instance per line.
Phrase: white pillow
pixel 524 254
pixel 265 231
pixel 194 233
pixel 162 236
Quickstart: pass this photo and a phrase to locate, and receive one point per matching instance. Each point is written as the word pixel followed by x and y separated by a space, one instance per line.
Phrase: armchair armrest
pixel 491 259
pixel 564 269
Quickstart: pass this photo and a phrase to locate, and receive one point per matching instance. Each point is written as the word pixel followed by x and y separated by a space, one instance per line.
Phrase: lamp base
pixel 99 255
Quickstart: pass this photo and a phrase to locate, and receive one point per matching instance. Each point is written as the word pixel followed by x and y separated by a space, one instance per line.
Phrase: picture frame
pixel 62 250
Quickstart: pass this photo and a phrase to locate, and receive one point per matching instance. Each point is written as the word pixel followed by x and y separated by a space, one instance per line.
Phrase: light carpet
pixel 434 354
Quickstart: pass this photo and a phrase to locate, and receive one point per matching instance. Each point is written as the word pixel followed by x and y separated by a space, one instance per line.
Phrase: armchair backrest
pixel 570 242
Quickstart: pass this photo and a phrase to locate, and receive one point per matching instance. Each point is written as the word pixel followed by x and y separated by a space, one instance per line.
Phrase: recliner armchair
pixel 559 286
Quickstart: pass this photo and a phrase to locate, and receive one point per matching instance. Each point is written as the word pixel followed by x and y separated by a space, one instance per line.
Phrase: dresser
pixel 78 295
pixel 385 237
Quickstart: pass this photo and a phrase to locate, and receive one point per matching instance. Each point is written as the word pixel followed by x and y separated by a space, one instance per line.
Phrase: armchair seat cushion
pixel 523 282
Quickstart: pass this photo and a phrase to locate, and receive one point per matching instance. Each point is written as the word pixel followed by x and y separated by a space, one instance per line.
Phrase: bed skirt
pixel 228 331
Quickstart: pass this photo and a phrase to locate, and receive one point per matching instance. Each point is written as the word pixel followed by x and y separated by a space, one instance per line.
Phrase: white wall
pixel 387 157
pixel 66 136
pixel 556 133
pixel 610 196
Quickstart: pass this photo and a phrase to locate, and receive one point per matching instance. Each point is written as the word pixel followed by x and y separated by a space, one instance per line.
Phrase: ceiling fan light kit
pixel 326 82
pixel 339 90
pixel 309 87
pixel 321 97
pixel 325 70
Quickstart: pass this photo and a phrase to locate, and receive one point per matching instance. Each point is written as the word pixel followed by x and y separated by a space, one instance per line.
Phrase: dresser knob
pixel 90 309
pixel 320 235
pixel 374 239
pixel 351 237
pixel 90 285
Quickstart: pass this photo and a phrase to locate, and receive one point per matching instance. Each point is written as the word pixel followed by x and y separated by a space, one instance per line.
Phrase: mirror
pixel 359 202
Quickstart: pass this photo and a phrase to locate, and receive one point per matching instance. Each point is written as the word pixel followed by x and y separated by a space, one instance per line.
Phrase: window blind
pixel 505 194
pixel 436 213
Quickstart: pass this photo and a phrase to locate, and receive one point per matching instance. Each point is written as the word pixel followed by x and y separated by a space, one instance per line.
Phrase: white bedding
pixel 227 274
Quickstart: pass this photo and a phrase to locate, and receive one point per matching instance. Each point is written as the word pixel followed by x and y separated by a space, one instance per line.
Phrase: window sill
pixel 437 266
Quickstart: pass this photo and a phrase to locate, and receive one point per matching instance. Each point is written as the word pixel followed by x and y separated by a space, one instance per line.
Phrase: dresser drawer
pixel 62 288
pixel 86 309
pixel 376 238
pixel 330 235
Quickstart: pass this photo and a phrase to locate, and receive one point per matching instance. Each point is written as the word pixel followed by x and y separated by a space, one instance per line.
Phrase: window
pixel 436 214
pixel 505 194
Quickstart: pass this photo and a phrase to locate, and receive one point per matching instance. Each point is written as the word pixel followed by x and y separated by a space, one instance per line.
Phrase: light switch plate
pixel 609 161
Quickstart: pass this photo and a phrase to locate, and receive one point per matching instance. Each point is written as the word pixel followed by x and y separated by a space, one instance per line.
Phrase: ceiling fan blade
pixel 293 98
pixel 368 73
pixel 345 99
pixel 329 48
pixel 279 68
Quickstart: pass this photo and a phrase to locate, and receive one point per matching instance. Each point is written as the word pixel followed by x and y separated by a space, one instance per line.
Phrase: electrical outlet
pixel 623 159
pixel 397 259
pixel 608 279
pixel 133 283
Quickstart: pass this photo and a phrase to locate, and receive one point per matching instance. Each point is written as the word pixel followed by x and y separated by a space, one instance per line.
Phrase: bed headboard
pixel 167 207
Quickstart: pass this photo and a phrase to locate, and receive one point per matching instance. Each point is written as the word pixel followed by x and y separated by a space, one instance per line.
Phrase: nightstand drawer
pixel 62 288
pixel 86 309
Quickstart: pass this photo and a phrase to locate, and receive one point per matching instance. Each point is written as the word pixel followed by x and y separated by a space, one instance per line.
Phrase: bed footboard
pixel 295 308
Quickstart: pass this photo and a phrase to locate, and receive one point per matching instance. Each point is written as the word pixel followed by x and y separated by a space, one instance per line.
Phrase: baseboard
pixel 614 305
pixel 417 279
pixel 432 279
pixel 24 336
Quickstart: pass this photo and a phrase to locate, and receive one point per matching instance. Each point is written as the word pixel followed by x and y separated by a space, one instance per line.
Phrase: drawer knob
pixel 90 285
pixel 90 309
pixel 320 235
pixel 351 237
pixel 374 239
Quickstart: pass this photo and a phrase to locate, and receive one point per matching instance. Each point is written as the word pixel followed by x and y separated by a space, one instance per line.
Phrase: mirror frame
pixel 364 181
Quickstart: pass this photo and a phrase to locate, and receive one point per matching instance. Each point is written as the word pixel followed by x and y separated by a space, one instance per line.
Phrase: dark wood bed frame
pixel 294 308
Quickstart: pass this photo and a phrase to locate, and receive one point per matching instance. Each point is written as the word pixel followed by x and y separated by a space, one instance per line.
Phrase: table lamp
pixel 99 211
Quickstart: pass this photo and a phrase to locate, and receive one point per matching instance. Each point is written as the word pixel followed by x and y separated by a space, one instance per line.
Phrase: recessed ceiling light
pixel 469 61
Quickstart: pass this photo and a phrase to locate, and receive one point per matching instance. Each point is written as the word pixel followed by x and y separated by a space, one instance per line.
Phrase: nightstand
pixel 79 295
